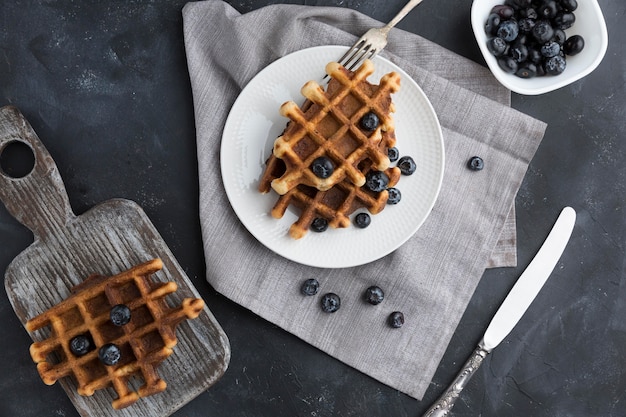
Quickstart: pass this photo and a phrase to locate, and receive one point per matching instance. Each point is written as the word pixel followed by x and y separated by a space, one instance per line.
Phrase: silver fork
pixel 374 40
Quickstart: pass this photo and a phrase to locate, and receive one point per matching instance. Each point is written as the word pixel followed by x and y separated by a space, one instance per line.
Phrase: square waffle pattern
pixel 330 128
pixel 334 205
pixel 144 342
pixel 327 124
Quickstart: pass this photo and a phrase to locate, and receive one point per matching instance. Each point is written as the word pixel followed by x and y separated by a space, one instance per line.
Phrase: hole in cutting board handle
pixel 17 159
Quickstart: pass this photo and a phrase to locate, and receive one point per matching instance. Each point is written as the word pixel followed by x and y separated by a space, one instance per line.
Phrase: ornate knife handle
pixel 444 404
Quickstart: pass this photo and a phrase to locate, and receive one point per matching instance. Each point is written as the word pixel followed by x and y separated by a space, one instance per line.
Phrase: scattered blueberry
pixel 396 319
pixel 394 195
pixel 80 345
pixel 374 295
pixel 362 220
pixel 407 165
pixel 376 181
pixel 393 154
pixel 319 224
pixel 310 287
pixel 475 163
pixel 109 354
pixel 330 302
pixel 322 167
pixel 120 315
pixel 369 121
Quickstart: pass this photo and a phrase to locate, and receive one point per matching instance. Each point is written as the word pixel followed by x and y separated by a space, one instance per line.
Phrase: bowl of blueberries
pixel 536 46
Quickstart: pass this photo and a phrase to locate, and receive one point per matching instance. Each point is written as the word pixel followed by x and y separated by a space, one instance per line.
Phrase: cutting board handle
pixel 38 199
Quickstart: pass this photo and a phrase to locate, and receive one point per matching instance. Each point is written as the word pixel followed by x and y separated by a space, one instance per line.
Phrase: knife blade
pixel 512 308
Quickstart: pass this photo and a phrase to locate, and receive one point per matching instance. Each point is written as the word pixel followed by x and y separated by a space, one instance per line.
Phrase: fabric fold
pixel 430 278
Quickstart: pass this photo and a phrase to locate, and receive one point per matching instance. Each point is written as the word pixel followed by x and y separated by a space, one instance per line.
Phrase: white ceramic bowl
pixel 589 24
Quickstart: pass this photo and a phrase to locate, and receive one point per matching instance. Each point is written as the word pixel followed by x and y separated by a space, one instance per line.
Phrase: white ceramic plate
pixel 589 24
pixel 254 123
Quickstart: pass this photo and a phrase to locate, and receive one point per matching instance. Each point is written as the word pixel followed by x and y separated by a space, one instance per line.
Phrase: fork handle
pixel 405 10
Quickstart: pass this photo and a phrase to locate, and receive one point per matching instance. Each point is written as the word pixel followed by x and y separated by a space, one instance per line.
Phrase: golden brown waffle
pixel 143 343
pixel 334 205
pixel 330 127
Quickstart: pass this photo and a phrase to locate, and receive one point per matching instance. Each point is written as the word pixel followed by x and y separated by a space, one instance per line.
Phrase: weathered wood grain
pixel 109 238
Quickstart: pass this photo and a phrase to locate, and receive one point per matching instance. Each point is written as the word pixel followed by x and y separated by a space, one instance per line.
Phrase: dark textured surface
pixel 105 86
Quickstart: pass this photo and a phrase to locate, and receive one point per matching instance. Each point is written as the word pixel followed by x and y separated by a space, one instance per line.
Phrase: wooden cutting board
pixel 108 239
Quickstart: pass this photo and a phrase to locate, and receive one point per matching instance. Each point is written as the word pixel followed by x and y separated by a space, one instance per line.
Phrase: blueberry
pixel 527 70
pixel 80 345
pixel 550 49
pixel 376 181
pixel 564 20
pixel 534 55
pixel 322 167
pixel 362 220
pixel 369 121
pixel 541 71
pixel 529 13
pixel 573 45
pixel 504 11
pixel 568 5
pixel 394 195
pixel 518 4
pixel 393 154
pixel 396 319
pixel 374 295
pixel 519 52
pixel 492 23
pixel 310 287
pixel 109 354
pixel 407 165
pixel 543 31
pixel 120 315
pixel 526 25
pixel 507 64
pixel 330 302
pixel 497 46
pixel 555 65
pixel 508 30
pixel 559 36
pixel 547 9
pixel 319 224
pixel 475 163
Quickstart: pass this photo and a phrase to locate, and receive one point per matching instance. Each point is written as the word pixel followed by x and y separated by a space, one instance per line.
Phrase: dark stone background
pixel 105 85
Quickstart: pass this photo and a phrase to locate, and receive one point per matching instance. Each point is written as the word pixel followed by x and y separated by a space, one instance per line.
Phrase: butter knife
pixel 512 309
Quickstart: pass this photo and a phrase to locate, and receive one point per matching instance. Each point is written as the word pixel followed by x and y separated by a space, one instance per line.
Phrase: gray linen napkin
pixel 431 278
